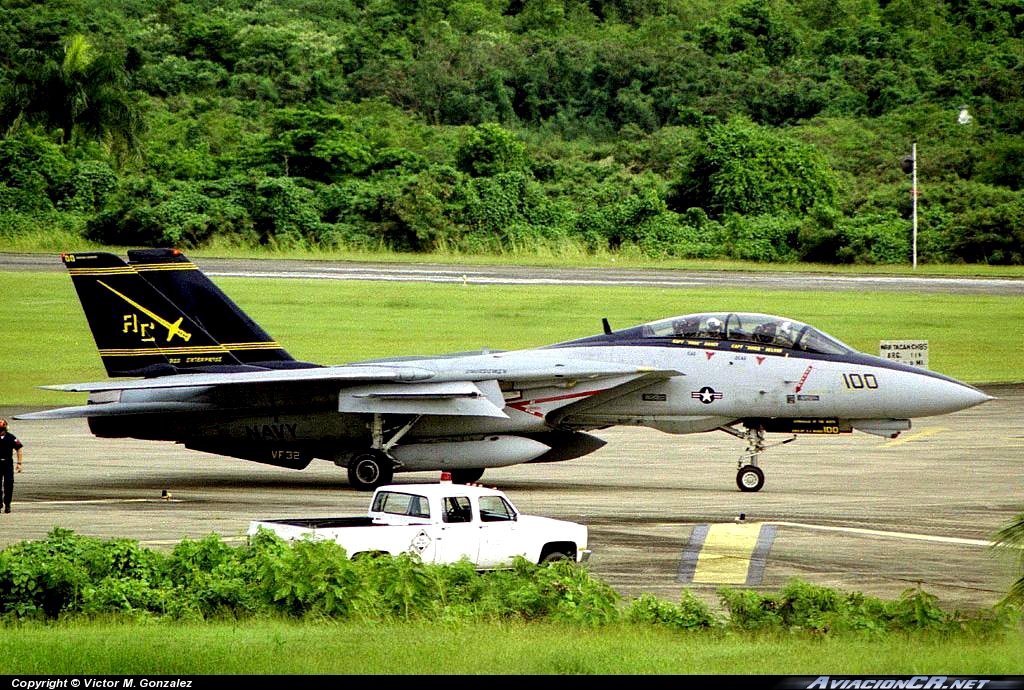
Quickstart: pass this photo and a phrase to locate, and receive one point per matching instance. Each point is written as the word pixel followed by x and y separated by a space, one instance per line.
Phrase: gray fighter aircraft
pixel 214 381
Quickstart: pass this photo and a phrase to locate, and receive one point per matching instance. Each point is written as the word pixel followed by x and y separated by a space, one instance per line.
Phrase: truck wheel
pixel 467 476
pixel 367 471
pixel 558 552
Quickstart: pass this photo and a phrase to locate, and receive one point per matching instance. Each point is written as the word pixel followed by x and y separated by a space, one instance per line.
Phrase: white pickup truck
pixel 443 523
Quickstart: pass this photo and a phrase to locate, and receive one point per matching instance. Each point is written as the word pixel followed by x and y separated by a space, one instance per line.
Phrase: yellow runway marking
pixel 737 554
pixel 725 557
pixel 923 433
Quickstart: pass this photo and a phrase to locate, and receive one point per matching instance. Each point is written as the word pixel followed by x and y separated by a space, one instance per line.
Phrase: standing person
pixel 9 447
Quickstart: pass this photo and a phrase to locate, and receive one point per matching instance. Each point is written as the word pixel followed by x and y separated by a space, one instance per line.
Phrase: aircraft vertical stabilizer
pixel 171 272
pixel 138 330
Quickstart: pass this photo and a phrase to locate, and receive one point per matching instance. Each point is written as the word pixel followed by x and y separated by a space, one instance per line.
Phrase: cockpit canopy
pixel 762 329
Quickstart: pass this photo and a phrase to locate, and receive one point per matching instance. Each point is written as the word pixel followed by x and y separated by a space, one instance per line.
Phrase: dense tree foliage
pixel 769 130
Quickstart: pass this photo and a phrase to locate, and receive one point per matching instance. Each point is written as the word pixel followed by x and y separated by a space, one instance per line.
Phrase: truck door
pixel 459 537
pixel 499 532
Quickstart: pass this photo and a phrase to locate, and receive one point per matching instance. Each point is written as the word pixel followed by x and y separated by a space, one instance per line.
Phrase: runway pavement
pixel 856 512
pixel 536 275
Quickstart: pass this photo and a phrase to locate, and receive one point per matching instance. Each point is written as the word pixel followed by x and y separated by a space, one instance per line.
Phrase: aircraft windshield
pixel 762 329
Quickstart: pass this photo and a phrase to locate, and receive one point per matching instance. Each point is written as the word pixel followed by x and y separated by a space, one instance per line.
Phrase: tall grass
pixel 279 647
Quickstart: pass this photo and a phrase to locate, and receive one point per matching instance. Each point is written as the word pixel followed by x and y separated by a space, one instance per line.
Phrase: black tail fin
pixel 170 272
pixel 139 332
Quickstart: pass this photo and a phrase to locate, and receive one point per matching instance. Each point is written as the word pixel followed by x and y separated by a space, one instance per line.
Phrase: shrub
pixel 762 238
pixel 746 169
pixel 490 150
pixel 33 173
pixel 689 614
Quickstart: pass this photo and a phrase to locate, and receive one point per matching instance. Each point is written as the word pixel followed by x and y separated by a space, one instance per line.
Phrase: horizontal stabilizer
pixel 117 409
pixel 341 374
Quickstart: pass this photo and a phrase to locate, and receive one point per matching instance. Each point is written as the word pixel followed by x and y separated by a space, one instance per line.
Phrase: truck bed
pixel 325 522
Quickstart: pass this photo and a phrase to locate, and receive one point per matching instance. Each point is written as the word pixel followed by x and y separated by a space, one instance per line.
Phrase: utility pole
pixel 913 195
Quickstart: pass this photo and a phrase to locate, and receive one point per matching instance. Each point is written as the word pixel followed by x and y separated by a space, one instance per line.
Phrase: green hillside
pixel 764 130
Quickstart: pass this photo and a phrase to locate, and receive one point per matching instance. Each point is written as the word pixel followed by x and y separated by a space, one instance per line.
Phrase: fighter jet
pixel 212 380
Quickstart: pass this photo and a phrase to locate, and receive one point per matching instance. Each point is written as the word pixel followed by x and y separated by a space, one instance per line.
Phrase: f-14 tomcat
pixel 214 381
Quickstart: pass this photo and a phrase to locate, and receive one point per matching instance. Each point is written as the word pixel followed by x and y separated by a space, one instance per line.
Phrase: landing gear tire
pixel 750 478
pixel 466 476
pixel 368 470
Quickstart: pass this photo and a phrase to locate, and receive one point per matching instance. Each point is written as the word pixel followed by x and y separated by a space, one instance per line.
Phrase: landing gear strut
pixel 750 477
pixel 374 466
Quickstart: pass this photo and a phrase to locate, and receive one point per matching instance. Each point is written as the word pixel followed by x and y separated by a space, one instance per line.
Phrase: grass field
pixel 266 648
pixel 46 340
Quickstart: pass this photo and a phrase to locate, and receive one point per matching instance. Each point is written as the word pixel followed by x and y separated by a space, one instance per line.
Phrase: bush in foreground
pixel 66 576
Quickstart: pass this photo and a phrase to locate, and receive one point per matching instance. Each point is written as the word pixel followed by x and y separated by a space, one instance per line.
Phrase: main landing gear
pixel 374 466
pixel 750 477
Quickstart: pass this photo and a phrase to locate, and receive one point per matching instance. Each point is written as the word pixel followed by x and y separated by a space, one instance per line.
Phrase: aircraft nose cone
pixel 934 394
pixel 961 396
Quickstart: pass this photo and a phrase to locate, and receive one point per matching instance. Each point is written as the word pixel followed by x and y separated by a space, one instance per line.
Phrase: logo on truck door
pixel 421 541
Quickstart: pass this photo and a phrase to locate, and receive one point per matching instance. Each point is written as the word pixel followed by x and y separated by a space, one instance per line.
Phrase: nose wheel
pixel 750 478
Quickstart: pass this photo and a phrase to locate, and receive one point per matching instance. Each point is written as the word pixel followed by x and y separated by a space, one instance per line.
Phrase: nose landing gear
pixel 750 477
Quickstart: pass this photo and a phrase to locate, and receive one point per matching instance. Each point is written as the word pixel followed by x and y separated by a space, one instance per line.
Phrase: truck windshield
pixel 397 503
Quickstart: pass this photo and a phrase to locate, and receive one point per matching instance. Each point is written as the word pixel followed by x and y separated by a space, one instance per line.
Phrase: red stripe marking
pixel 523 404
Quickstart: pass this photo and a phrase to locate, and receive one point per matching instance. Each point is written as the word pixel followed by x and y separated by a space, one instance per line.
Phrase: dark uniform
pixel 9 444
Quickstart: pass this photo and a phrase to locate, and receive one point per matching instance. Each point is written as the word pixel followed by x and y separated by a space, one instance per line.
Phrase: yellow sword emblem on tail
pixel 173 329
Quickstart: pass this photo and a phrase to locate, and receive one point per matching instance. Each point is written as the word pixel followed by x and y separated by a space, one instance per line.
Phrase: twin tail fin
pixel 158 314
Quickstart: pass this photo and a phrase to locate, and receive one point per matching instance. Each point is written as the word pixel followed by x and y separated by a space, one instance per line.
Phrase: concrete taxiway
pixel 855 512
pixel 609 275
